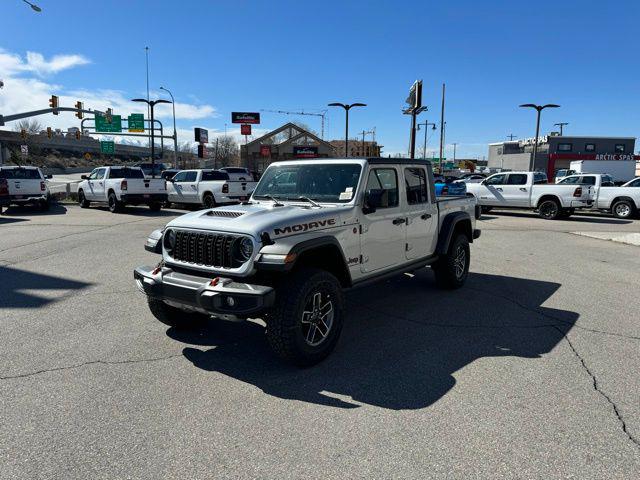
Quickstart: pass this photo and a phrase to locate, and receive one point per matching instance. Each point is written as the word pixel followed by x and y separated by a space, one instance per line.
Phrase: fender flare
pixel 448 227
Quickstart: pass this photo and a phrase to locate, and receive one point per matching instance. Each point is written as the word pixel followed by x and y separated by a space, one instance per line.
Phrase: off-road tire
pixel 452 269
pixel 115 206
pixel 484 209
pixel 566 212
pixel 155 206
pixel 82 200
pixel 174 317
pixel 209 201
pixel 285 328
pixel 45 205
pixel 623 209
pixel 549 209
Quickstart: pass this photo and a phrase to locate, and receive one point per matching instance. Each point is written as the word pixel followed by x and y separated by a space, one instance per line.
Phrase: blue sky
pixel 248 55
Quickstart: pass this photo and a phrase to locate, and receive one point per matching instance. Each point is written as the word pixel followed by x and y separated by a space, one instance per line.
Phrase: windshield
pixel 20 173
pixel 331 183
pixel 126 173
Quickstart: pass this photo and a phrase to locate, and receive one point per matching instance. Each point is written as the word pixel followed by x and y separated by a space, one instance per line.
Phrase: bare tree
pixel 228 152
pixel 31 125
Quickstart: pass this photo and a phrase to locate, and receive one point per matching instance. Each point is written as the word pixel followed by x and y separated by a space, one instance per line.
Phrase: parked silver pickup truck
pixel 309 231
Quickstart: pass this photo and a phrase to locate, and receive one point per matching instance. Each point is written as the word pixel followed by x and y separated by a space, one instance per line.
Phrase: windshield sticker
pixel 346 195
pixel 303 227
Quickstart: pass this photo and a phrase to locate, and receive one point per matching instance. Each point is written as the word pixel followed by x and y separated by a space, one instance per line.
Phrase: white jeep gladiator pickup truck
pixel 622 202
pixel 207 187
pixel 120 186
pixel 310 230
pixel 530 190
pixel 26 185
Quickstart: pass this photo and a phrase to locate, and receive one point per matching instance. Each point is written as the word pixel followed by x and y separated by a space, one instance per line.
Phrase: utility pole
pixel 442 127
pixel 454 151
pixel 146 53
pixel 511 136
pixel 561 124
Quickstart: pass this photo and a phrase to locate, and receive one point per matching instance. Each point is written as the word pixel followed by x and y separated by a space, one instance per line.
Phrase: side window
pixel 619 147
pixel 635 183
pixel 385 179
pixel 517 179
pixel 179 177
pixel 590 147
pixel 496 180
pixel 101 173
pixel 539 178
pixel 570 180
pixel 589 180
pixel 416 182
pixel 565 147
pixel 94 174
pixel 191 176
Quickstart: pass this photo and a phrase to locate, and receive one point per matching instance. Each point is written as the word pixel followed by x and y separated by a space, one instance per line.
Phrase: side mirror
pixel 374 199
pixel 84 177
pixel 48 177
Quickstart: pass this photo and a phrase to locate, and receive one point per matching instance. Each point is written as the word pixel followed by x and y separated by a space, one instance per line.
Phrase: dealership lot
pixel 530 370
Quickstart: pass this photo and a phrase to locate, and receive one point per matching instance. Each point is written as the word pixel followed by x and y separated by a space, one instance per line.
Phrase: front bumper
pixel 143 197
pixel 225 298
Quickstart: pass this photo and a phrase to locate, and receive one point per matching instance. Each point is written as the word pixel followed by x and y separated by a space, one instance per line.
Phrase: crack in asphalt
pixel 596 387
pixel 93 362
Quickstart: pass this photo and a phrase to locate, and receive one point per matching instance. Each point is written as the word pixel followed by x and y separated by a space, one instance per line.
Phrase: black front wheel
pixel 305 324
pixel 155 206
pixel 451 270
pixel 82 200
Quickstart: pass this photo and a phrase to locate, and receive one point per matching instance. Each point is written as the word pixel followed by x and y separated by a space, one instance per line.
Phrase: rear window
pixel 235 170
pixel 20 174
pixel 126 173
pixel 214 175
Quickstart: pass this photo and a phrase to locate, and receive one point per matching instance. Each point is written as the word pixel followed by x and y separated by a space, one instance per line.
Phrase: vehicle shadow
pixel 140 211
pixel 401 345
pixel 576 217
pixel 18 287
pixel 34 210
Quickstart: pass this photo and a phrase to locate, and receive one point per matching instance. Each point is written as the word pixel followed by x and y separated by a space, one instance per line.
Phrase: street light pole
pixel 346 107
pixel 35 8
pixel 175 132
pixel 151 104
pixel 538 108
pixel 426 127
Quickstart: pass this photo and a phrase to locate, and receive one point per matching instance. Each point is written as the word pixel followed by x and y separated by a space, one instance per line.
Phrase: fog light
pixel 230 301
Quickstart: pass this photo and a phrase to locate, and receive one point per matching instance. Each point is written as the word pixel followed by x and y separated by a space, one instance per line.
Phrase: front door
pixel 382 240
pixel 492 192
pixel 97 184
pixel 422 215
pixel 179 188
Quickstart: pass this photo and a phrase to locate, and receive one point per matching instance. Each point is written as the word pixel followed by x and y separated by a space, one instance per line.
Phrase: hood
pixel 256 218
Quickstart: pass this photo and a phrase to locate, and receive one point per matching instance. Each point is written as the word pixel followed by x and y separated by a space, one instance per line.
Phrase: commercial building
pixel 289 142
pixel 357 148
pixel 556 151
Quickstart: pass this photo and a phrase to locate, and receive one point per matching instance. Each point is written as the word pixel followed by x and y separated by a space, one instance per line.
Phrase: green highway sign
pixel 107 147
pixel 102 126
pixel 136 122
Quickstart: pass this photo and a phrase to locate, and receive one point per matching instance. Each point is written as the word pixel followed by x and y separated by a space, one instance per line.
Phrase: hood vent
pixel 224 213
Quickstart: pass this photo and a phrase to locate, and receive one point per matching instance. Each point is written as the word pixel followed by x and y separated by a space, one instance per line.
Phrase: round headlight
pixel 245 248
pixel 169 240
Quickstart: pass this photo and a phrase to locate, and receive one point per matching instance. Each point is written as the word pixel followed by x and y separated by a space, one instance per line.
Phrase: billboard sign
pixel 245 129
pixel 265 150
pixel 104 126
pixel 303 151
pixel 252 118
pixel 202 151
pixel 414 100
pixel 136 122
pixel 201 135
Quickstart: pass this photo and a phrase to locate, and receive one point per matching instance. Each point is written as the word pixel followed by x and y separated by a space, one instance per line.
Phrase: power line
pixel 322 114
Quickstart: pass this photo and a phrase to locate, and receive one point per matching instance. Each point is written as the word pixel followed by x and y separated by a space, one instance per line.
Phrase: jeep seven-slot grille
pixel 209 249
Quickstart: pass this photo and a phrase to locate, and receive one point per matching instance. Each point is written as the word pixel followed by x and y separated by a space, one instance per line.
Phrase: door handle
pixel 425 216
pixel 499 189
pixel 522 189
pixel 399 221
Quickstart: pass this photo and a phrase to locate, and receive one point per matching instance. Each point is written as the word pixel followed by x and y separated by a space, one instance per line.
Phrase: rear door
pixel 515 192
pixel 383 231
pixel 422 214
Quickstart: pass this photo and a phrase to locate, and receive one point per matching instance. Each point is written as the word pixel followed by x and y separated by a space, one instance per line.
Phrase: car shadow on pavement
pixel 139 211
pixel 18 288
pixel 581 217
pixel 402 342
pixel 33 210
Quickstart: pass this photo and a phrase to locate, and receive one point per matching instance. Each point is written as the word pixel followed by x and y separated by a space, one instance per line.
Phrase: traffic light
pixel 109 115
pixel 23 134
pixel 49 132
pixel 79 106
pixel 53 103
pixel 78 135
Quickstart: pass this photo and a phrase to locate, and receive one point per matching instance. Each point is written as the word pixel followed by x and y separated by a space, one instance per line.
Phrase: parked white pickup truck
pixel 207 187
pixel 530 190
pixel 120 186
pixel 622 202
pixel 310 230
pixel 26 185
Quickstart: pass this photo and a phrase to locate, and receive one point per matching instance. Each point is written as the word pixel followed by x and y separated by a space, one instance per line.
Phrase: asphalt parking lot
pixel 529 371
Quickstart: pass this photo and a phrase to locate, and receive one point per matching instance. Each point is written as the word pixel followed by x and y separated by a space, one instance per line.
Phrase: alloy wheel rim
pixel 549 209
pixel 460 261
pixel 623 210
pixel 317 318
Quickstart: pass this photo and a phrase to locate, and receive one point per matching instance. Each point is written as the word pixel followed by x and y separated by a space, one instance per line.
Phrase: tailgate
pixel 146 185
pixel 240 188
pixel 26 187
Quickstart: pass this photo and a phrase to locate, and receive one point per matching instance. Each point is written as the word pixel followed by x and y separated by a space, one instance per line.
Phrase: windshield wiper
pixel 276 203
pixel 312 202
